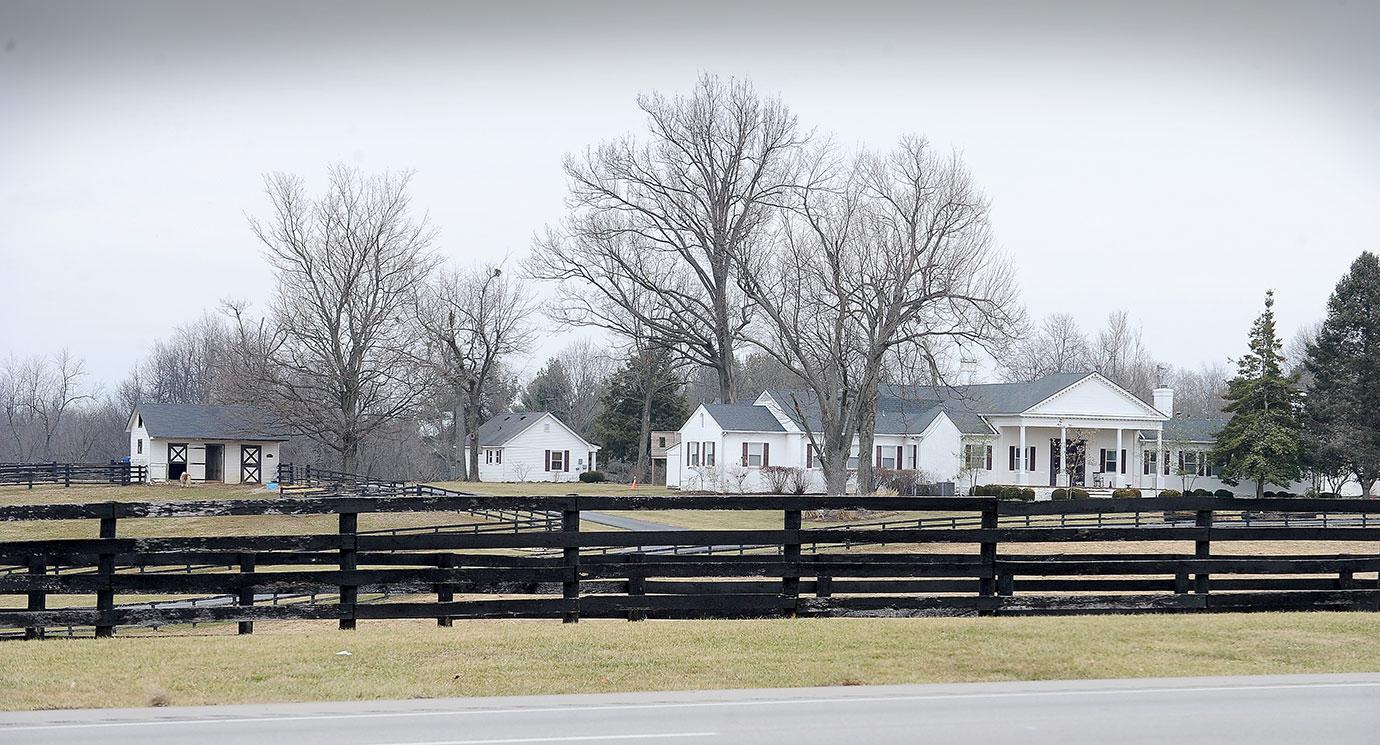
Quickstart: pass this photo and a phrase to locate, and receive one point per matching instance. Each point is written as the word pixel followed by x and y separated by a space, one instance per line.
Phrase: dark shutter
pixel 989 457
pixel 1102 467
pixel 900 462
pixel 565 461
pixel 1011 458
pixel 1122 462
pixel 766 454
pixel 1181 460
pixel 1030 458
pixel 915 457
pixel 548 461
pixel 1166 462
pixel 967 455
pixel 745 455
pixel 809 455
pixel 878 462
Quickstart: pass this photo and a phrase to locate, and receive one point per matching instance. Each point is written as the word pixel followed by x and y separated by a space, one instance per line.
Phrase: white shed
pixel 229 444
pixel 533 446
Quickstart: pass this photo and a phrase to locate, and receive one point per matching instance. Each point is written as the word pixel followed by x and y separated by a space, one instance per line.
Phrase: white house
pixel 230 444
pixel 532 446
pixel 996 433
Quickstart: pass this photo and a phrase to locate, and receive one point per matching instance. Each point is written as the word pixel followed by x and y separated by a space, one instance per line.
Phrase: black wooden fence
pixel 907 571
pixel 67 474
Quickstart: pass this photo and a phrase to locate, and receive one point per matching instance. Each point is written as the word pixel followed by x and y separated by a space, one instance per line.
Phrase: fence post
pixel 67 476
pixel 637 585
pixel 246 599
pixel 445 593
pixel 1201 550
pixel 570 586
pixel 987 555
pixel 790 551
pixel 38 600
pixel 824 587
pixel 105 594
pixel 349 560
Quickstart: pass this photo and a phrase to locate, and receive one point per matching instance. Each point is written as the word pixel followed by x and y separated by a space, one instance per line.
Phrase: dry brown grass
pixel 298 661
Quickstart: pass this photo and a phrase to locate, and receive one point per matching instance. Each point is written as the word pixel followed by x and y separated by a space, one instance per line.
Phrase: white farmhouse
pixel 229 444
pixel 996 433
pixel 533 446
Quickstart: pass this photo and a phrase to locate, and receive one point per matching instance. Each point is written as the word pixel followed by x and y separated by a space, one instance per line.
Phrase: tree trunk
pixel 349 452
pixel 459 436
pixel 644 432
pixel 472 433
pixel 1259 488
pixel 867 437
pixel 835 466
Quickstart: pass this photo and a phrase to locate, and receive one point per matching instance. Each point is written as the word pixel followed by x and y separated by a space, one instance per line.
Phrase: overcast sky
pixel 1169 159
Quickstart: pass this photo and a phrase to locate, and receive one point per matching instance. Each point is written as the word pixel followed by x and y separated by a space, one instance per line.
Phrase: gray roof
pixel 895 415
pixel 1189 429
pixel 209 422
pixel 504 427
pixel 990 398
pixel 744 417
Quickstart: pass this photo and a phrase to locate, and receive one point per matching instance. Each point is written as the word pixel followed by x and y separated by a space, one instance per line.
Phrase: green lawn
pixel 298 661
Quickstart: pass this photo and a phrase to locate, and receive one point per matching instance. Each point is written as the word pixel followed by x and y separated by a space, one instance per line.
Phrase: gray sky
pixel 1173 160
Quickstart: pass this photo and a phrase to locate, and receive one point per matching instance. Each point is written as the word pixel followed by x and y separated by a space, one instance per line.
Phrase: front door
pixel 215 462
pixel 177 460
pixel 250 468
pixel 1076 461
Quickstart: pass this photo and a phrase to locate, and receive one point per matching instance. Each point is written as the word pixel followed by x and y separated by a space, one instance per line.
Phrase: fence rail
pixel 977 566
pixel 67 474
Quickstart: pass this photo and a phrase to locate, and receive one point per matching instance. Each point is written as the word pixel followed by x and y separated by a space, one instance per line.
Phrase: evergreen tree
pixel 1262 441
pixel 550 390
pixel 1342 408
pixel 644 395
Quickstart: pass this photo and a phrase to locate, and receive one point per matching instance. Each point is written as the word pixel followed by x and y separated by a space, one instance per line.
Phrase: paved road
pixel 1331 710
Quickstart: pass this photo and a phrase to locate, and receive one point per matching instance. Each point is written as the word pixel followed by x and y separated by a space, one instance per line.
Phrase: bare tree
pixel 666 218
pixel 1056 346
pixel 589 366
pixel 1121 355
pixel 1199 392
pixel 189 367
pixel 336 355
pixel 473 319
pixel 878 252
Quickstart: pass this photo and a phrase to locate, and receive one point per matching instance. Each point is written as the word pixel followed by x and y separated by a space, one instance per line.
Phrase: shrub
pixel 1076 493
pixel 1269 495
pixel 1200 493
pixel 899 481
pixel 1285 495
pixel 1027 494
pixel 1223 493
pixel 593 477
pixel 1170 493
pixel 1126 492
pixel 780 479
pixel 1059 493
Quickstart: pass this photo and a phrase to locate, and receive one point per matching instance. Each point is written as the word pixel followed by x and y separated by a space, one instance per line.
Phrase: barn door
pixel 250 464
pixel 177 460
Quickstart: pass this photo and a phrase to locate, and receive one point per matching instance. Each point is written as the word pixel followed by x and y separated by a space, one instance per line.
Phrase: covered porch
pixel 1087 452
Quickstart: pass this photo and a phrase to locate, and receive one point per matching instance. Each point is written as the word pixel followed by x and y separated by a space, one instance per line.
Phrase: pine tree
pixel 1262 441
pixel 1342 408
pixel 550 390
pixel 641 397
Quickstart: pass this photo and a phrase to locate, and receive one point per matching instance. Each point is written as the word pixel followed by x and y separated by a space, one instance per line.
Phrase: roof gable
pixel 744 417
pixel 502 429
pixel 1094 395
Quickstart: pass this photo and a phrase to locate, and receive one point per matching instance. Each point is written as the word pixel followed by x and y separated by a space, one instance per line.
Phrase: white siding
pixel 156 458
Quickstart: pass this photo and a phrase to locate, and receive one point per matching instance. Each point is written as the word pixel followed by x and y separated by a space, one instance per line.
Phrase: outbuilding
pixel 226 444
pixel 533 446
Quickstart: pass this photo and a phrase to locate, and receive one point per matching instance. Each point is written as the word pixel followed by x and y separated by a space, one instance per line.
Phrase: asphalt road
pixel 1321 710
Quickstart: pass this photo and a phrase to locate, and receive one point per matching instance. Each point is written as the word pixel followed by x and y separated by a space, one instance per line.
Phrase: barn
pixel 533 446
pixel 227 444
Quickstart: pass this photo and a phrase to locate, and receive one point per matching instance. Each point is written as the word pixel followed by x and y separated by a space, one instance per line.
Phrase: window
pixel 1188 462
pixel 1150 462
pixel 493 455
pixel 546 427
pixel 709 453
pixel 811 455
pixel 1011 456
pixel 755 454
pixel 140 446
pixel 852 460
pixel 886 458
pixel 1030 458
pixel 1108 461
pixel 558 460
pixel 692 454
pixel 661 442
pixel 977 457
pixel 913 460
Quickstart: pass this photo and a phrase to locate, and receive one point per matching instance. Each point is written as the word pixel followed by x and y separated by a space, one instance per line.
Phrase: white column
pixel 1063 479
pixel 1116 475
pixel 1159 457
pixel 1020 460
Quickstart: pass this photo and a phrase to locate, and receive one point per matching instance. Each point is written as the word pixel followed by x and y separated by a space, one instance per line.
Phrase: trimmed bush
pixel 1269 495
pixel 1126 492
pixel 1200 493
pixel 1170 493
pixel 1076 493
pixel 1223 493
pixel 1027 494
pixel 593 477
pixel 1060 493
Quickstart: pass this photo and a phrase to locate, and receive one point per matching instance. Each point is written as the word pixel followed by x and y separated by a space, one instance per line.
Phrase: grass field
pixel 299 661
pixel 554 489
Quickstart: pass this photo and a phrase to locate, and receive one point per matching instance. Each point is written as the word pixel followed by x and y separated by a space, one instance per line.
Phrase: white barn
pixel 228 444
pixel 533 446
